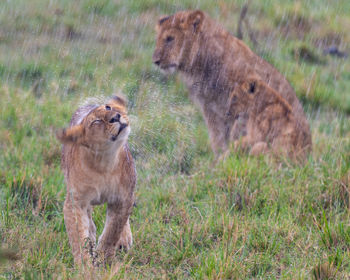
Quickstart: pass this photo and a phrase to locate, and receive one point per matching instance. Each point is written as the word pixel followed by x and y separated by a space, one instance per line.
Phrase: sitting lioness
pixel 98 168
pixel 210 60
pixel 271 125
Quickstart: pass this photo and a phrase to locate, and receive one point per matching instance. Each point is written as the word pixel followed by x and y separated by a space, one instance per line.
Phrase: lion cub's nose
pixel 157 62
pixel 116 118
pixel 122 126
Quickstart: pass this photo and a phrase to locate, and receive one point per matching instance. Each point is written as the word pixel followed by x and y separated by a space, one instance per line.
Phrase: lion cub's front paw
pixel 125 240
pixel 259 149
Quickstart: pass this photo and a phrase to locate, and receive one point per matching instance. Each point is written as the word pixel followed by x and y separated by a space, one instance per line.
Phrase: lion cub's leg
pixel 259 148
pixel 125 240
pixel 117 216
pixel 239 127
pixel 282 145
pixel 218 141
pixel 237 145
pixel 217 130
pixel 243 143
pixel 77 225
pixel 92 227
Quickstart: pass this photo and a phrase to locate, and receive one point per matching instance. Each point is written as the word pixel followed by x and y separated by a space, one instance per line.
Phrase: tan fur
pixel 98 168
pixel 210 60
pixel 272 125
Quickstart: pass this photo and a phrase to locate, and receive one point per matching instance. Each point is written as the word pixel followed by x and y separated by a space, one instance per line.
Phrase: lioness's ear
pixel 70 135
pixel 119 100
pixel 195 19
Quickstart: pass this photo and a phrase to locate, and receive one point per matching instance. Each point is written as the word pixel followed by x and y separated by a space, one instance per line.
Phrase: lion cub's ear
pixel 70 135
pixel 118 100
pixel 195 19
pixel 160 21
pixel 250 86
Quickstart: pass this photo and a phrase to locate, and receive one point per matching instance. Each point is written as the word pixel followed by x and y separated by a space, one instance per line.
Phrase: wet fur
pixel 210 60
pixel 97 172
pixel 271 126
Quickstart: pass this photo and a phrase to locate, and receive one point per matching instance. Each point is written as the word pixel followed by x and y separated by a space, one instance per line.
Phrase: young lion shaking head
pixel 98 168
pixel 271 124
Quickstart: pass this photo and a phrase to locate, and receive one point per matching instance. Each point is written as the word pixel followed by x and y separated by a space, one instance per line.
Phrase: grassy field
pixel 246 218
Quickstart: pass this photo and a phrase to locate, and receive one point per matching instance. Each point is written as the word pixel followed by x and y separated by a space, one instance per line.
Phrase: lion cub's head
pixel 103 127
pixel 175 37
pixel 242 98
pixel 251 95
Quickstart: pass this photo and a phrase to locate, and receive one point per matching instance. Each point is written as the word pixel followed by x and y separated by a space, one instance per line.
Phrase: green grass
pixel 245 218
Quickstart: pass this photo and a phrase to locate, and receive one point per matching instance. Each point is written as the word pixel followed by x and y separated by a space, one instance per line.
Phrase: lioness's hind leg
pixel 259 148
pixel 125 240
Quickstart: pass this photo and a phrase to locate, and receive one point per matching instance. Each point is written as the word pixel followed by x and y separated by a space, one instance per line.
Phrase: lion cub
pixel 98 168
pixel 271 125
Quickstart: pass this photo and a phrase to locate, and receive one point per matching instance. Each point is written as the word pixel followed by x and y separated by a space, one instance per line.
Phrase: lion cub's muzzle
pixel 156 57
pixel 118 119
pixel 122 126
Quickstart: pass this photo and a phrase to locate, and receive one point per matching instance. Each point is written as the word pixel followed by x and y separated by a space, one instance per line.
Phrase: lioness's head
pixel 175 36
pixel 101 127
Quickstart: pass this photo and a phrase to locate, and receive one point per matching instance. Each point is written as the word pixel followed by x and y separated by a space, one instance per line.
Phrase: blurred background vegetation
pixel 245 218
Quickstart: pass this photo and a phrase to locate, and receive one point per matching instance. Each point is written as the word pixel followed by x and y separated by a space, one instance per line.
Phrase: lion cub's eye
pixel 169 39
pixel 234 99
pixel 108 108
pixel 96 122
